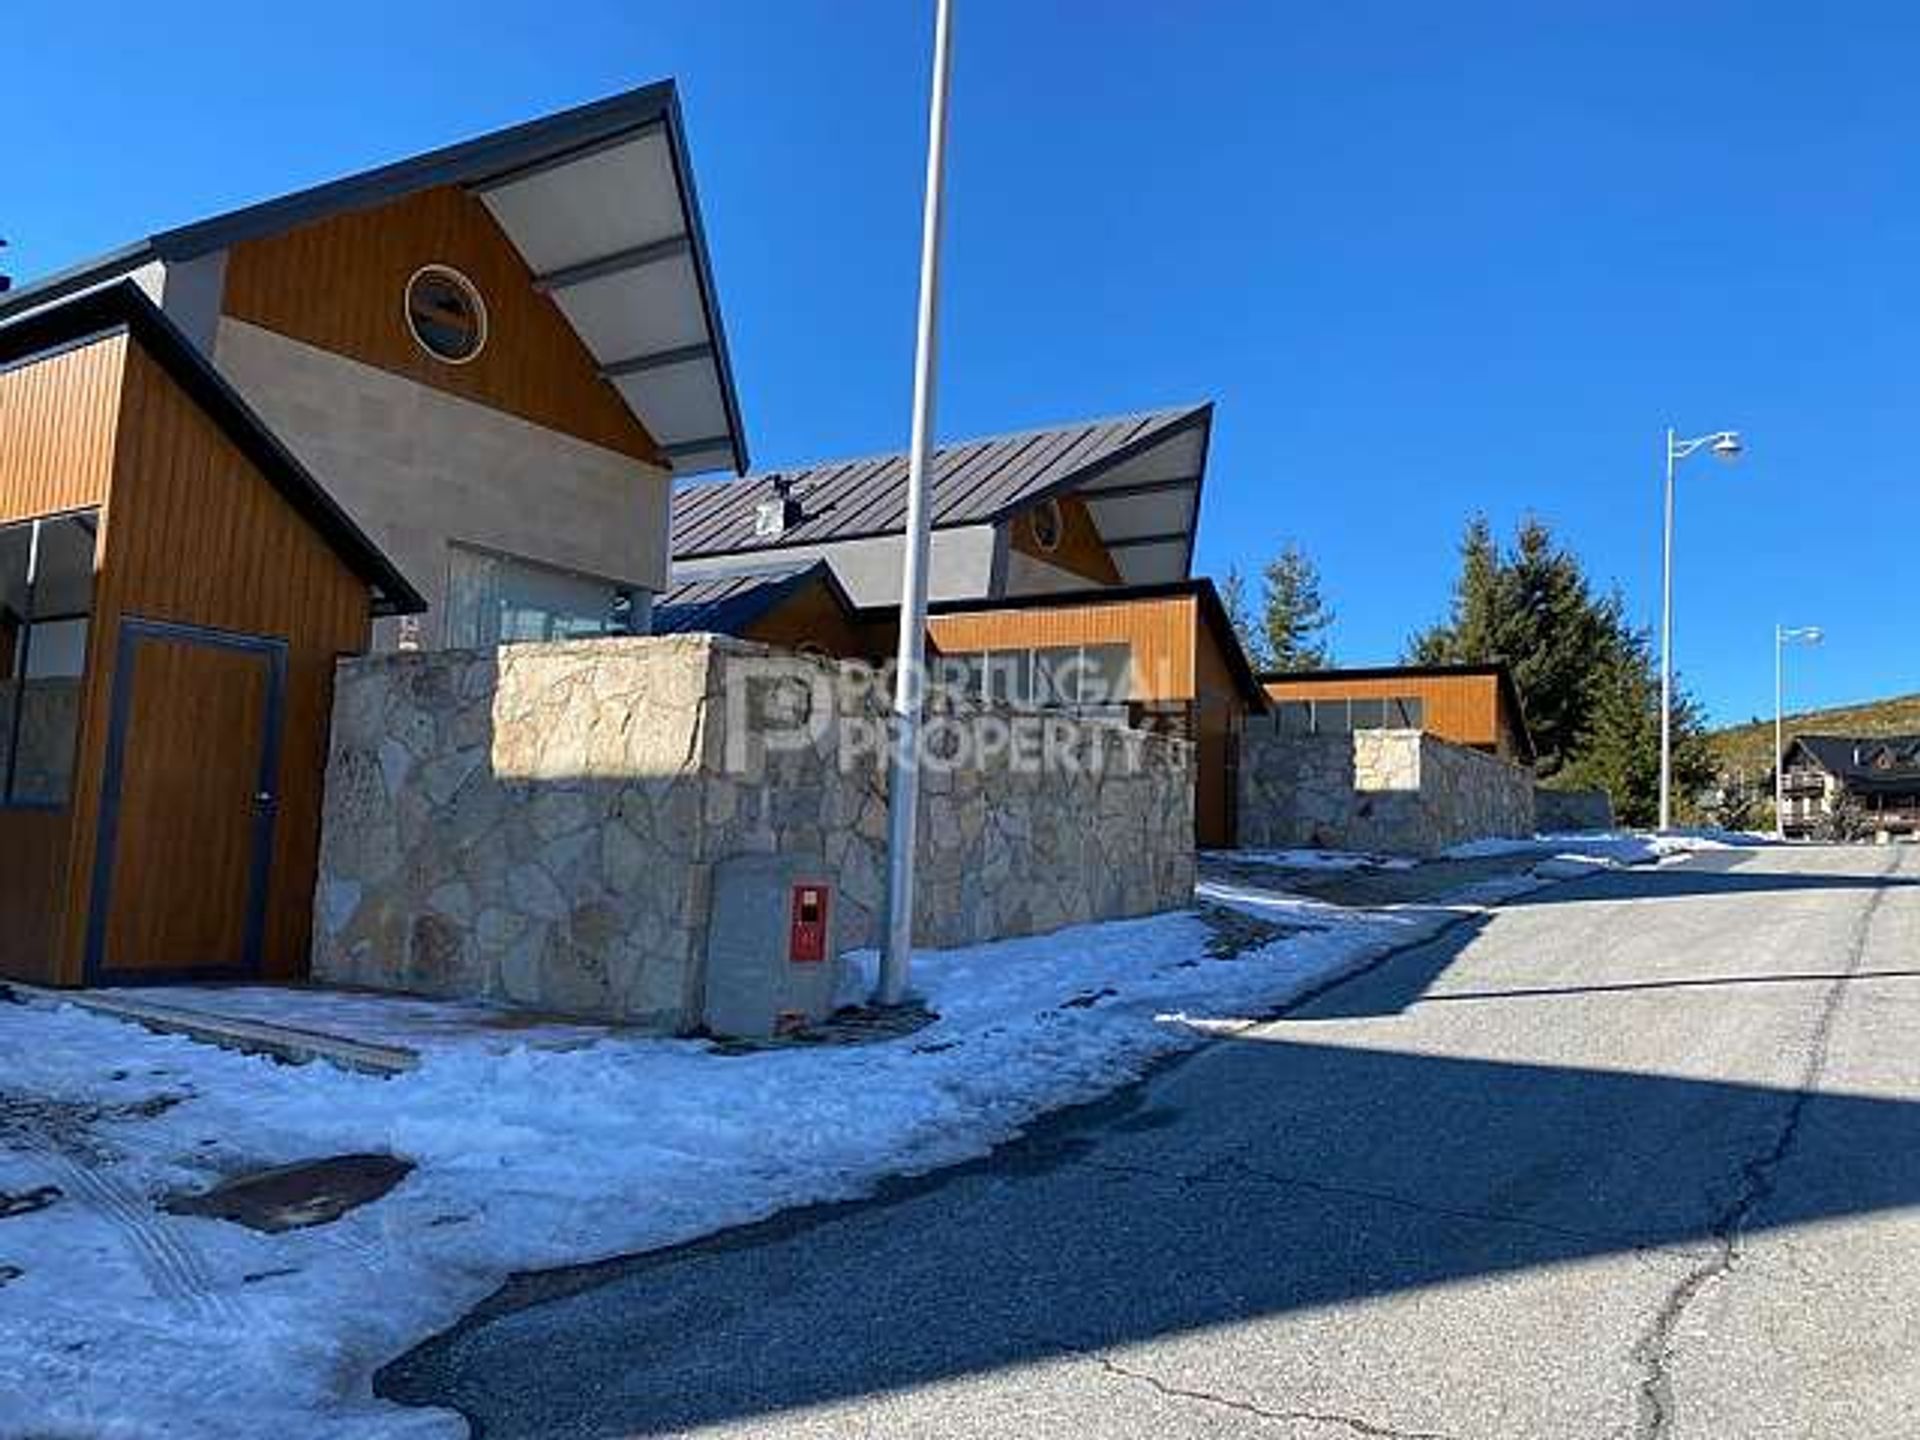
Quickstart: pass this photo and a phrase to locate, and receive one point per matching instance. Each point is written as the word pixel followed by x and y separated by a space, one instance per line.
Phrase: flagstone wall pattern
pixel 538 824
pixel 1391 791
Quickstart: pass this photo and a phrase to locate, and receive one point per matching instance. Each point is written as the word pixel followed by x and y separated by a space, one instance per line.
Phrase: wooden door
pixel 187 806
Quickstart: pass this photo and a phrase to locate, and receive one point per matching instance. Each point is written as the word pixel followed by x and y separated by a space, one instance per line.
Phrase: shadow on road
pixel 1318 1173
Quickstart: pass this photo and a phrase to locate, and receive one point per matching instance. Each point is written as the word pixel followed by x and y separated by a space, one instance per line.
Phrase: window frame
pixel 88 517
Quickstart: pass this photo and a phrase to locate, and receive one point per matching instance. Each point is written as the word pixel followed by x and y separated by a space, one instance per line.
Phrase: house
pixel 175 588
pixel 1059 575
pixel 794 604
pixel 1879 775
pixel 497 357
pixel 1477 706
pixel 1100 504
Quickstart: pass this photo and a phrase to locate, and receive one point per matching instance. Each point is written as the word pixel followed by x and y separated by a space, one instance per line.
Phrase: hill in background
pixel 1748 749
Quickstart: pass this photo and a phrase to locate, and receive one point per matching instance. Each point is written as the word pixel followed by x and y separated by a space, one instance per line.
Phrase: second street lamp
pixel 1783 637
pixel 1725 445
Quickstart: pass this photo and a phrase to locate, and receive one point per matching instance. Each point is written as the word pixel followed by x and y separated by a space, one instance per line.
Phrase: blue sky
pixel 1426 259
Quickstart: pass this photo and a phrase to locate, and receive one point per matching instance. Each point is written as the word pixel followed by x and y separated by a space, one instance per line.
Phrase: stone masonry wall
pixel 538 824
pixel 1392 791
pixel 1558 812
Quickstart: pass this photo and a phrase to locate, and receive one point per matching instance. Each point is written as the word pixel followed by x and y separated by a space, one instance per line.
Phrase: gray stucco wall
pixel 539 824
pixel 417 468
pixel 1392 791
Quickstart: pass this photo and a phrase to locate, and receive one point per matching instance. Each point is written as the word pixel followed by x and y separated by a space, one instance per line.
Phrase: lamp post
pixel 1783 637
pixel 1725 445
pixel 903 791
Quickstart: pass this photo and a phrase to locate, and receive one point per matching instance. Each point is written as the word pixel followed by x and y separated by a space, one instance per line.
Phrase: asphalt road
pixel 1636 1157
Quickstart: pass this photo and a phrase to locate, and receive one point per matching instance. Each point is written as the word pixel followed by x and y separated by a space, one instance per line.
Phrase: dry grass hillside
pixel 1748 748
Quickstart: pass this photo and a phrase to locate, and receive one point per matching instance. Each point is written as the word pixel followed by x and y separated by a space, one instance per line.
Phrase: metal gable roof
pixel 600 203
pixel 728 602
pixel 974 482
pixel 1854 760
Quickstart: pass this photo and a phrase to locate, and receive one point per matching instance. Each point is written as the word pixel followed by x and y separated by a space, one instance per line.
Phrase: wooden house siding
pixel 57 427
pixel 340 284
pixel 1465 709
pixel 59 419
pixel 1160 631
pixel 1080 551
pixel 194 535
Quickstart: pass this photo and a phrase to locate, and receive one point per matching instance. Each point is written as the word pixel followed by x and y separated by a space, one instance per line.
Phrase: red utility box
pixel 807 925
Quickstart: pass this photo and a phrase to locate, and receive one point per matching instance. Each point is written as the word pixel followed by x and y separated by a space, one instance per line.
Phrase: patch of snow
pixel 1312 859
pixel 127 1321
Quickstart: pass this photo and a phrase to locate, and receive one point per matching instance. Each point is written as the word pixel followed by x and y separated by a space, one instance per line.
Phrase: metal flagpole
pixel 903 792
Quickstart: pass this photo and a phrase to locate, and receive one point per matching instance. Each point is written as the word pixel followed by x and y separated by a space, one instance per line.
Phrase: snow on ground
pixel 1311 859
pixel 128 1321
pixel 125 1321
pixel 1608 848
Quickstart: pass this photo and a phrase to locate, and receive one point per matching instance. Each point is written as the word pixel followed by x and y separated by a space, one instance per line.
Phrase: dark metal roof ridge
pixel 124 305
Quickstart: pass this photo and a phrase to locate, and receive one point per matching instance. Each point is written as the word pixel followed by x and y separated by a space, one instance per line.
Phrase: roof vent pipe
pixel 774 517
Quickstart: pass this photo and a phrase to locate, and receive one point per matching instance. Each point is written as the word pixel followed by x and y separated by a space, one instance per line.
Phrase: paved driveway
pixel 1638 1156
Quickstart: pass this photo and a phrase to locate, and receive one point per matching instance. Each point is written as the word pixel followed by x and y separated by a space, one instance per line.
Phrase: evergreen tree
pixel 1233 599
pixel 1620 752
pixel 1296 614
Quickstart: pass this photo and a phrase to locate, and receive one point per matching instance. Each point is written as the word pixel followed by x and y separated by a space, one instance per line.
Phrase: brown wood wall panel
pixel 1462 708
pixel 1081 551
pixel 33 889
pixel 340 284
pixel 814 619
pixel 1161 632
pixel 57 421
pixel 193 535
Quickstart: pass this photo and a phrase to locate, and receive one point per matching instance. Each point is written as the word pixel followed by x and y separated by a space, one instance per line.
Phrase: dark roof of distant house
pixel 1212 612
pixel 124 306
pixel 974 482
pixel 1494 670
pixel 572 193
pixel 1866 762
pixel 727 602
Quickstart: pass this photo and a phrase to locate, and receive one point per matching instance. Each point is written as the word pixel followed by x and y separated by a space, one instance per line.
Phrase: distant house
pixel 497 357
pixel 1473 705
pixel 1880 774
pixel 795 604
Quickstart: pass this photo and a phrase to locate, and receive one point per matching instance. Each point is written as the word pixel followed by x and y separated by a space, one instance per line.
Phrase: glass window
pixel 1368 714
pixel 1056 675
pixel 1331 717
pixel 1293 717
pixel 498 600
pixel 1406 712
pixel 1106 674
pixel 1009 677
pixel 961 673
pixel 446 314
pixel 46 604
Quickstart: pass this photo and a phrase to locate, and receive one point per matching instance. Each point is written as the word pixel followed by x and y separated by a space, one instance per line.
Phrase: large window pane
pixel 497 600
pixel 1009 677
pixel 1056 675
pixel 1369 714
pixel 1293 717
pixel 1106 674
pixel 46 605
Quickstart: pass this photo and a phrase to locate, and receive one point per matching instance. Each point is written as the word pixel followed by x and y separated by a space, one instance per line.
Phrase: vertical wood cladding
pixel 340 284
pixel 57 420
pixel 1465 709
pixel 1160 631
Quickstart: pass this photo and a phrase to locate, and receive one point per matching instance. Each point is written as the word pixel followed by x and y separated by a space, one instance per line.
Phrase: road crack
pixel 1353 1424
pixel 1653 1352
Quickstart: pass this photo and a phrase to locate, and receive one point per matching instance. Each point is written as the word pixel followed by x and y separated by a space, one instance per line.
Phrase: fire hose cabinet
pixel 773 963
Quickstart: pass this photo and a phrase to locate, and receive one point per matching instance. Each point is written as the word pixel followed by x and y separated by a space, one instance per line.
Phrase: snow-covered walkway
pixel 118 1319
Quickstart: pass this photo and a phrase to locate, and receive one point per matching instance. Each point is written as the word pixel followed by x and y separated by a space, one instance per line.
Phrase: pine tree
pixel 1233 599
pixel 1296 614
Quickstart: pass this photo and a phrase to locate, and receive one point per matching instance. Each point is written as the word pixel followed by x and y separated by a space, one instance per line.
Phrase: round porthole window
pixel 446 314
pixel 1047 525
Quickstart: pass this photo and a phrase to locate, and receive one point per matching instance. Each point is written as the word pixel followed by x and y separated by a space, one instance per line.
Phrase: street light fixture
pixel 1783 637
pixel 1726 446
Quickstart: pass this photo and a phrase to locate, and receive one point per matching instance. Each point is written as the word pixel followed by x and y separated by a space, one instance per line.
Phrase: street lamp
pixel 1724 445
pixel 1783 637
